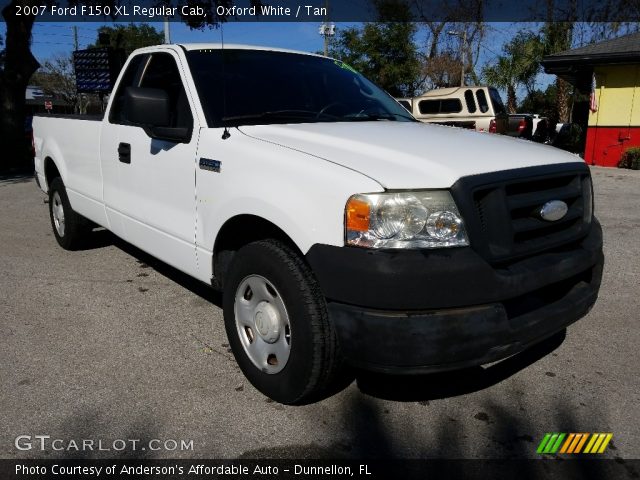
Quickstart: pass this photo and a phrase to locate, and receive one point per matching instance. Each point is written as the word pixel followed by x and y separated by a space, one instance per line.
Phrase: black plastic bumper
pixel 418 311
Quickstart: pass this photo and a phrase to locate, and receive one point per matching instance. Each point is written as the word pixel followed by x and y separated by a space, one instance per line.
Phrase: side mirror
pixel 149 108
pixel 146 106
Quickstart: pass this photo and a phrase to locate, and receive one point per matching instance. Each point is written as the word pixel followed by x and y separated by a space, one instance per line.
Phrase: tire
pixel 277 323
pixel 69 228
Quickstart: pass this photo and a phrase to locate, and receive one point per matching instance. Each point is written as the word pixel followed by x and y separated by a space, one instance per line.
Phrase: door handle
pixel 124 153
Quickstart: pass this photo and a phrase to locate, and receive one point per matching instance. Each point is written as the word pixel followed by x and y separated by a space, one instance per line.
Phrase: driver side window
pixel 161 72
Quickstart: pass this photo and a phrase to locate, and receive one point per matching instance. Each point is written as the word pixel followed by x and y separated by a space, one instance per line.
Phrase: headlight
pixel 427 219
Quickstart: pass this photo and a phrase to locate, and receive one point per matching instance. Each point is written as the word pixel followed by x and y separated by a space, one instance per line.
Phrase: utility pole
pixel 167 34
pixel 327 29
pixel 75 37
pixel 463 46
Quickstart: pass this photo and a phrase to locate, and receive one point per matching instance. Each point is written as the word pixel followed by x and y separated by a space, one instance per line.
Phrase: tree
pixel 443 70
pixel 56 77
pixel 445 55
pixel 518 66
pixel 541 102
pixel 128 37
pixel 384 52
pixel 17 67
pixel 557 36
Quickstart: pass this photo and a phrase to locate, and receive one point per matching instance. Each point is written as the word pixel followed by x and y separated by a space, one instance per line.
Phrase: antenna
pixel 225 134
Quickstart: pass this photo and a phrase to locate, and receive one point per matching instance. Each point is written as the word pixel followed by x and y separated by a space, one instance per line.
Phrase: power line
pixel 41 24
pixel 487 48
pixel 62 35
pixel 70 42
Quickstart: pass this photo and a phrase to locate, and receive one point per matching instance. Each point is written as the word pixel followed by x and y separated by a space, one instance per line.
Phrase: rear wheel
pixel 69 228
pixel 277 323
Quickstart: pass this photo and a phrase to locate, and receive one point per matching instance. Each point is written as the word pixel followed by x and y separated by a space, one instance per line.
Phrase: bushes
pixel 630 159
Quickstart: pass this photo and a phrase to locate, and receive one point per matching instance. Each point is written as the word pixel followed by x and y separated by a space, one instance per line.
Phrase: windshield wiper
pixel 279 114
pixel 366 117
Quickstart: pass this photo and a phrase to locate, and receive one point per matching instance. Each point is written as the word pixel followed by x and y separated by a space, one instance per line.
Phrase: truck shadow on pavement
pixel 103 238
pixel 501 445
pixel 11 179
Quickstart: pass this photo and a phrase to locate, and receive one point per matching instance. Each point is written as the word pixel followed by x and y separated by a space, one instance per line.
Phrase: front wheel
pixel 277 323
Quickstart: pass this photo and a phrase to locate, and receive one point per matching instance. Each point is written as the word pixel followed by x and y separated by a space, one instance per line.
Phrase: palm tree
pixel 517 67
pixel 503 75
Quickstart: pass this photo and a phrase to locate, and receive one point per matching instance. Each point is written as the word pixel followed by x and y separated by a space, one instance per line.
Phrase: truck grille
pixel 502 210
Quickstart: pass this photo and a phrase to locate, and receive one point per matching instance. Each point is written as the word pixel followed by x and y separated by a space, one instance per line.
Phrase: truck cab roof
pixel 226 46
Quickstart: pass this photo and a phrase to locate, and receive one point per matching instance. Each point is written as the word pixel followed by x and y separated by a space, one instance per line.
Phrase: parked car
pixel 340 230
pixel 476 108
pixel 529 126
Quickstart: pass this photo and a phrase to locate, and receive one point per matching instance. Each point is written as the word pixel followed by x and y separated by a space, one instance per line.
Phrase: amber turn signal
pixel 358 213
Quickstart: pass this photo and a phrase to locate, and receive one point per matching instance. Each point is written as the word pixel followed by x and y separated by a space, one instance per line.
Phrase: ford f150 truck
pixel 341 231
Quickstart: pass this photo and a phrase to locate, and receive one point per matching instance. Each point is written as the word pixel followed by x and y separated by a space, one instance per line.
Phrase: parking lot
pixel 108 343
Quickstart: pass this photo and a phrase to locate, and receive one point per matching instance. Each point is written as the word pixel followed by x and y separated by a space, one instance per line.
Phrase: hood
pixel 404 155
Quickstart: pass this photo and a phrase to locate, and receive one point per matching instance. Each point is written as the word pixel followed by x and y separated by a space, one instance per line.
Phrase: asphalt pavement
pixel 110 344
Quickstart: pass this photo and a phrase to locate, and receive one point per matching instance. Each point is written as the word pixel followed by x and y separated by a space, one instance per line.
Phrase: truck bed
pixel 74 141
pixel 72 116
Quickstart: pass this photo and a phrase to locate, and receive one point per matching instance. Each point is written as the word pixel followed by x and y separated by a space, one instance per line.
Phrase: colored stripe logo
pixel 568 443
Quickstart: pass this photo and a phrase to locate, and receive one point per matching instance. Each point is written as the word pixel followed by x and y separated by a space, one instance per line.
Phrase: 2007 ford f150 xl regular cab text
pixel 339 228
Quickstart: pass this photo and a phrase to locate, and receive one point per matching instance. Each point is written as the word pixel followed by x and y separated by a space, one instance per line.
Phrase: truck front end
pixel 437 280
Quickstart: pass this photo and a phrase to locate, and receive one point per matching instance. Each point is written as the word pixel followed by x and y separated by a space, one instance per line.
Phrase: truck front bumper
pixel 417 311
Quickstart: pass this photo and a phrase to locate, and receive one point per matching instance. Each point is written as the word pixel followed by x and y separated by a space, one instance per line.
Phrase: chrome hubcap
pixel 263 324
pixel 58 214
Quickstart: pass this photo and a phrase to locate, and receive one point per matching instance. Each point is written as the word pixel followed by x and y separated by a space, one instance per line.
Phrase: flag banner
pixel 593 101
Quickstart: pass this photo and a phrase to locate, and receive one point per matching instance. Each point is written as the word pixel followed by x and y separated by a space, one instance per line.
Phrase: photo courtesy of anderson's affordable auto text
pixel 278 239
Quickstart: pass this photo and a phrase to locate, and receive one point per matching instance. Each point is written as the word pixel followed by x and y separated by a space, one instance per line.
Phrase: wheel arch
pixel 51 171
pixel 239 231
pixel 53 164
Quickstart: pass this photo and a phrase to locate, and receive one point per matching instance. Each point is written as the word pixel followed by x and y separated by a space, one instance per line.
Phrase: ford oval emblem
pixel 553 210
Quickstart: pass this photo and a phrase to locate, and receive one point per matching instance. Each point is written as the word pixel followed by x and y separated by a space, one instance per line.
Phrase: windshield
pixel 264 87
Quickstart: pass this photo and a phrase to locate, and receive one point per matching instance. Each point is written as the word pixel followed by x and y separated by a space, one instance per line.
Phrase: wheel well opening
pixel 238 232
pixel 50 171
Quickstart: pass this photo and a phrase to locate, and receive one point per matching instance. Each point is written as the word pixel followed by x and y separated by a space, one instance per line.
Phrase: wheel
pixel 69 228
pixel 277 323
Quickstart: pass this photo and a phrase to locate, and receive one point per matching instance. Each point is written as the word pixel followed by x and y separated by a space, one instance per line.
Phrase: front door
pixel 155 193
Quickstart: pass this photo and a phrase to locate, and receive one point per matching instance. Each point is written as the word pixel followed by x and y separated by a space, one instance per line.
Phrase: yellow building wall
pixel 618 94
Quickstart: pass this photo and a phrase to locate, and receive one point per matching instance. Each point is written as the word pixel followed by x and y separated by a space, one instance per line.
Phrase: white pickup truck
pixel 342 231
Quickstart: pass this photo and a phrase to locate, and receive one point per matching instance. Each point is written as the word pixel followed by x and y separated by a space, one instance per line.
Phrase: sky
pixel 51 39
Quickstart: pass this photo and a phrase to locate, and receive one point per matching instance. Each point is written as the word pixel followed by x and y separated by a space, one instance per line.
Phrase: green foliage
pixel 630 159
pixel 386 53
pixel 541 102
pixel 518 66
pixel 570 138
pixel 129 37
pixel 557 36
